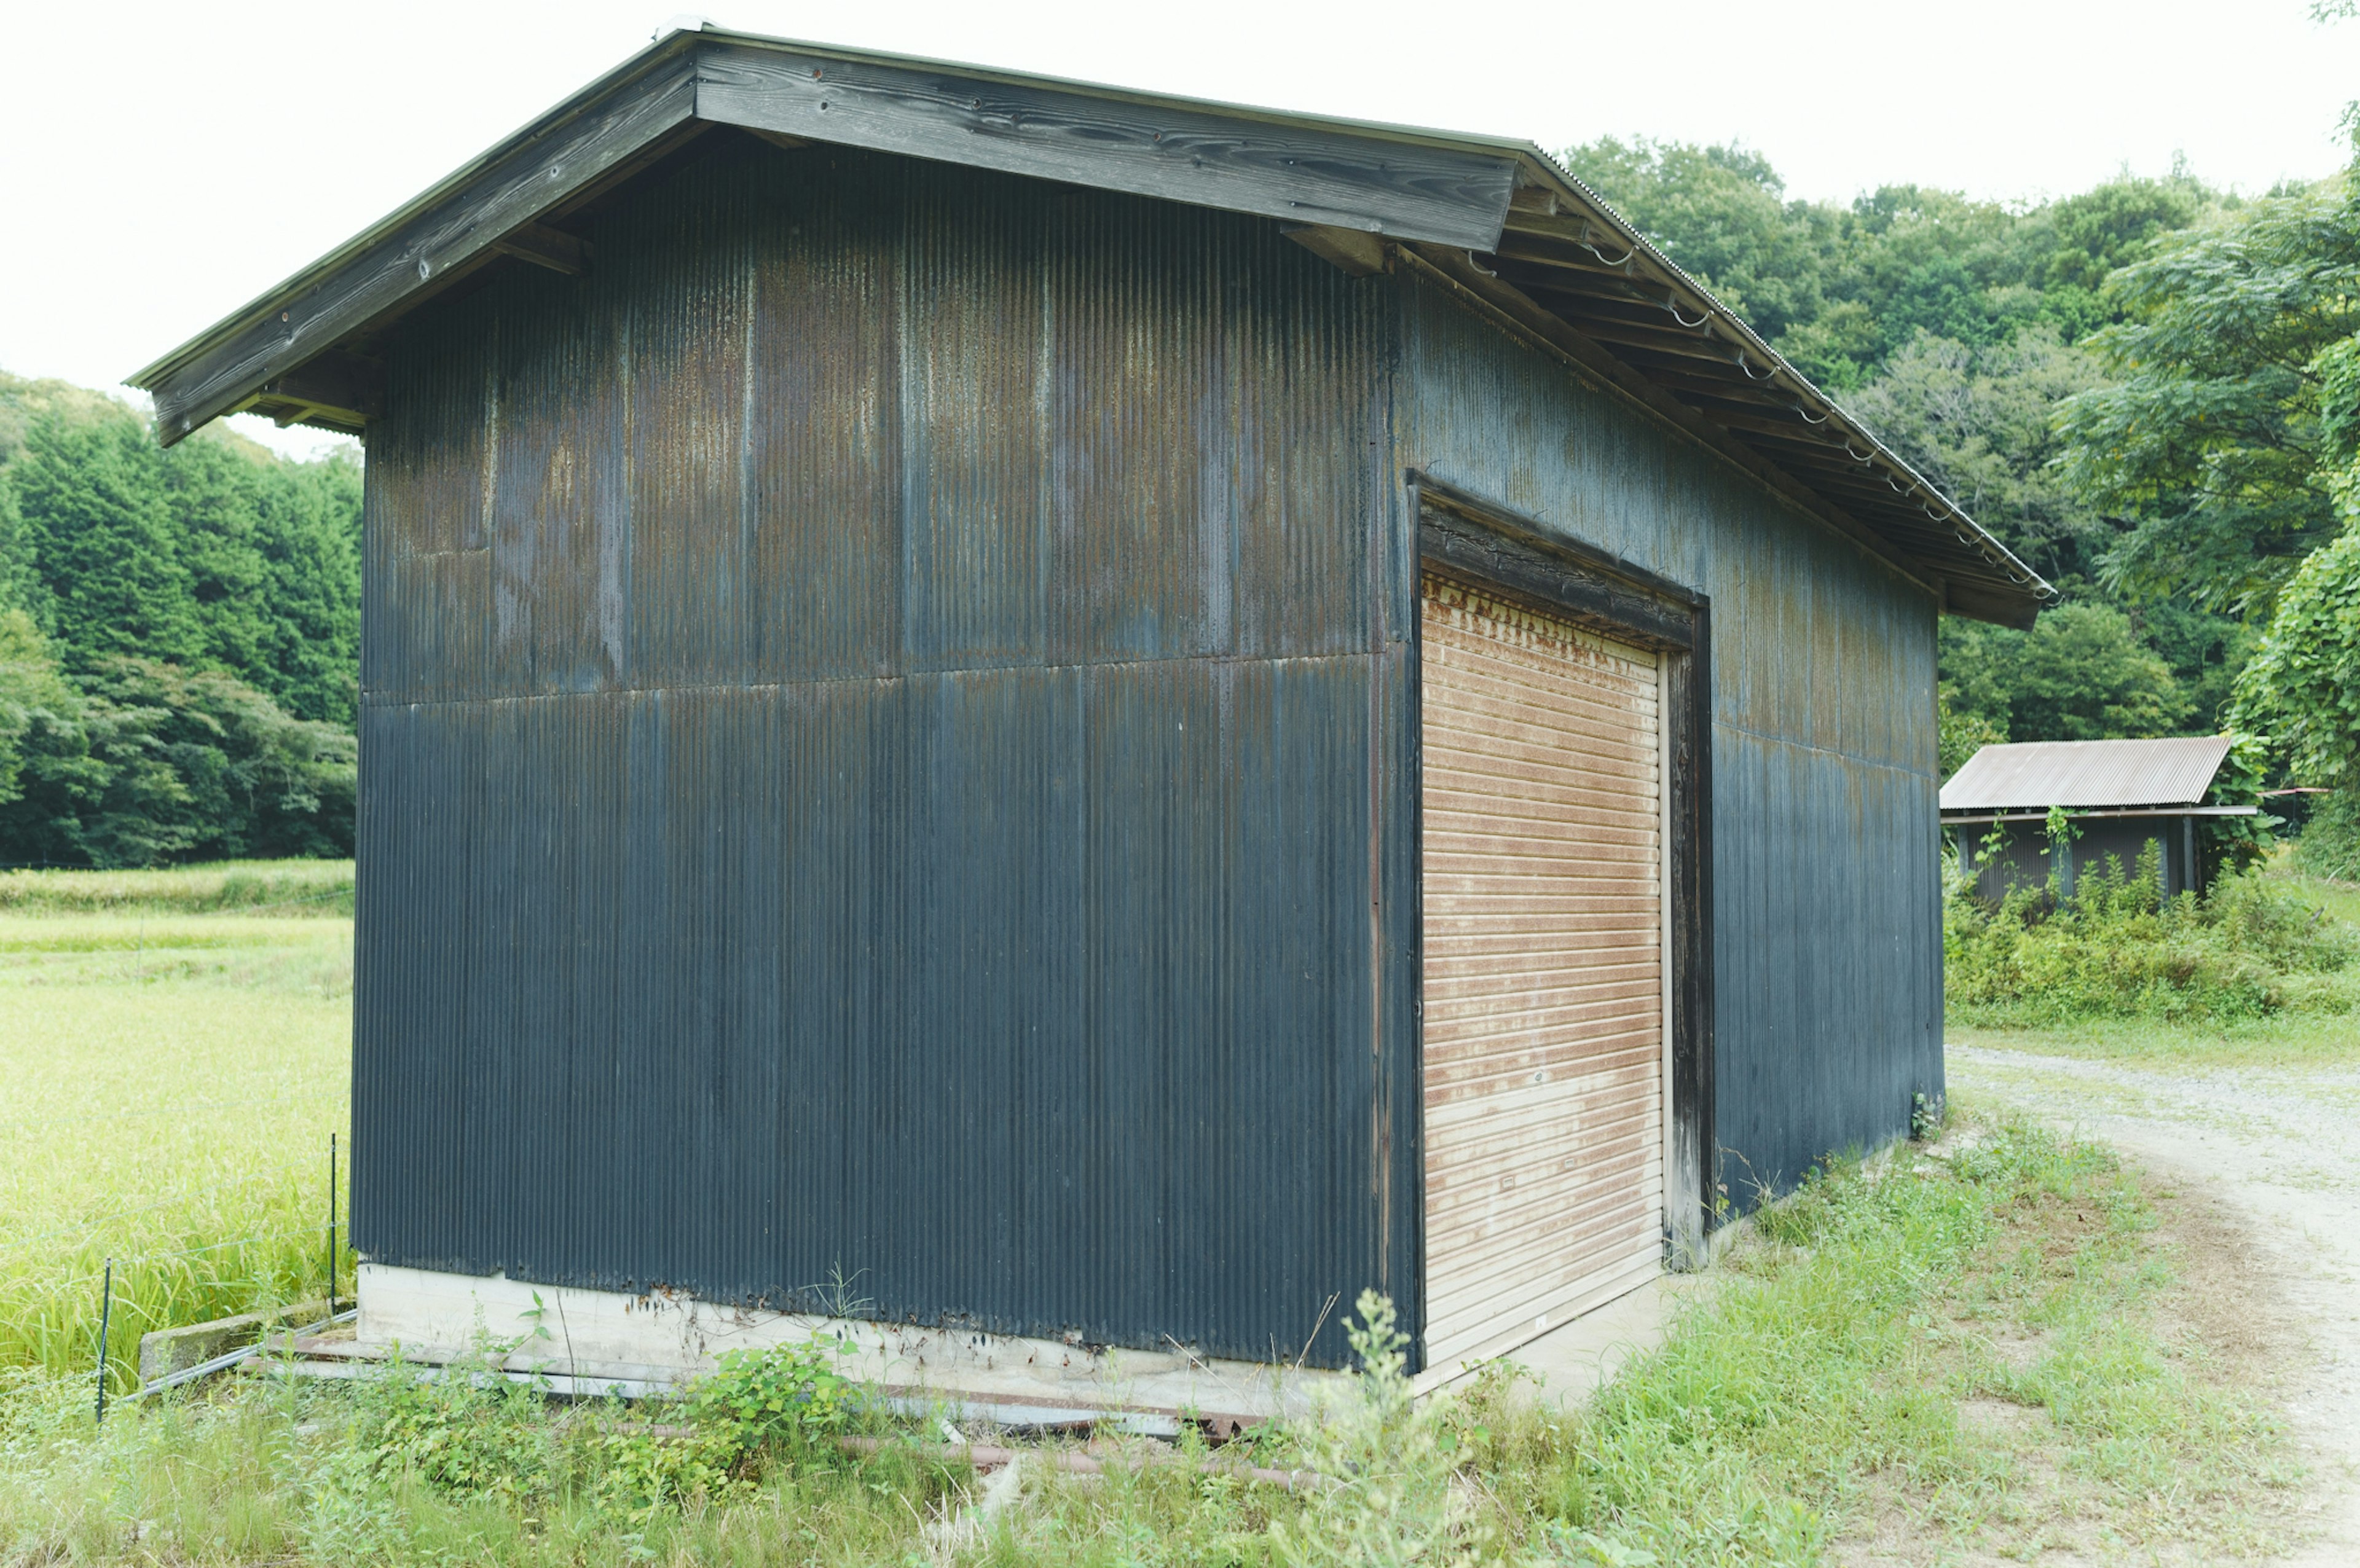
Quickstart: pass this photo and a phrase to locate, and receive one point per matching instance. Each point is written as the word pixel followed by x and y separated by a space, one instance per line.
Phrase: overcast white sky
pixel 160 165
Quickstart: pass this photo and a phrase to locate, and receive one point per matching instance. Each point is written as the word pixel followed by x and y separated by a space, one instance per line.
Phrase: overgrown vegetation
pixel 278 887
pixel 2250 948
pixel 1972 1342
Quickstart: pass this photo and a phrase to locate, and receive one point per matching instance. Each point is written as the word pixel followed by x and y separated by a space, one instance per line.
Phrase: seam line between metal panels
pixel 1794 745
pixel 381 700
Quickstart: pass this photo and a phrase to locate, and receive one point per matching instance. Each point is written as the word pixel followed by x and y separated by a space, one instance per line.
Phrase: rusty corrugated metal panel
pixel 873 743
pixel 1544 1043
pixel 1826 916
pixel 2036 775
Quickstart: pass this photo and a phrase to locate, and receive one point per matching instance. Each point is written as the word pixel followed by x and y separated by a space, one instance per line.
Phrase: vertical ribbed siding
pixel 1543 986
pixel 1826 910
pixel 892 799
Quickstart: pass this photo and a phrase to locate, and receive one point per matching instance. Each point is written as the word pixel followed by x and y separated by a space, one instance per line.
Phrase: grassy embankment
pixel 174 1052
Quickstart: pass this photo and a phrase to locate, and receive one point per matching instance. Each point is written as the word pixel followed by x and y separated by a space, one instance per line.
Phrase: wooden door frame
pixel 1522 559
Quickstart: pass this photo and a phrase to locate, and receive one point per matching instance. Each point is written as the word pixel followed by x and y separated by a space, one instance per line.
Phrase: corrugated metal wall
pixel 1826 913
pixel 885 719
pixel 877 703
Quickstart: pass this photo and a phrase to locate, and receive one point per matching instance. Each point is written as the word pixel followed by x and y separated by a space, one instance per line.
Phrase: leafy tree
pixel 1979 422
pixel 212 555
pixel 2081 673
pixel 143 762
pixel 1963 735
pixel 178 640
pixel 252 780
pixel 2302 684
pixel 36 703
pixel 2207 451
pixel 108 575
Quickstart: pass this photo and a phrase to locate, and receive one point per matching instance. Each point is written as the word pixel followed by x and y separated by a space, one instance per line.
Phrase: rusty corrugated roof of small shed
pixel 1495 219
pixel 2088 774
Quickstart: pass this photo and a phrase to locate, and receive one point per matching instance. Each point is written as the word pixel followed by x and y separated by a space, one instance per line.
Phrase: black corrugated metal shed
pixel 890 684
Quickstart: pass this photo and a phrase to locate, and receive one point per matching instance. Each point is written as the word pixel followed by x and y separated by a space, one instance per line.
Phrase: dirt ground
pixel 2257 1168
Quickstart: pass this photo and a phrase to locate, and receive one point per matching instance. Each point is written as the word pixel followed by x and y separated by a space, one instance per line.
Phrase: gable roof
pixel 1496 219
pixel 2090 774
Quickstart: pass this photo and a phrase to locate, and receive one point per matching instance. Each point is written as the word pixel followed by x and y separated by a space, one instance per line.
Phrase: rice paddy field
pixel 174 1056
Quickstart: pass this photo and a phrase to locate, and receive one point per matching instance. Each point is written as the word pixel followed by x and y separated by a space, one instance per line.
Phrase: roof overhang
pixel 1496 219
pixel 1965 819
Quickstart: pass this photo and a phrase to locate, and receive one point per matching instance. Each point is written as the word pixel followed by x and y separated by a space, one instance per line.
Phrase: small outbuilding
pixel 2125 798
pixel 1028 719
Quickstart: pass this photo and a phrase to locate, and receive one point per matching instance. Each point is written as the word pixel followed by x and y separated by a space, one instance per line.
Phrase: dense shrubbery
pixel 2118 950
pixel 2329 845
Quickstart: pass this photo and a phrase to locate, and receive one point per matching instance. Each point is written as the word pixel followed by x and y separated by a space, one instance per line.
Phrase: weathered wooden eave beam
pixel 1458 270
pixel 1291 171
pixel 451 235
pixel 545 246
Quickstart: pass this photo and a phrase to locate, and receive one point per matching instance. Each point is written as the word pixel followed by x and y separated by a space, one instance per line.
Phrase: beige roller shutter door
pixel 1544 985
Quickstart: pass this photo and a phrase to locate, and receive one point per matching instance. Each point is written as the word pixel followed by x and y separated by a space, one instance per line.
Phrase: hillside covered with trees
pixel 2150 391
pixel 179 640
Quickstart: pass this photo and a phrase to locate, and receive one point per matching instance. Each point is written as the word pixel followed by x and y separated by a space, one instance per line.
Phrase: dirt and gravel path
pixel 2265 1163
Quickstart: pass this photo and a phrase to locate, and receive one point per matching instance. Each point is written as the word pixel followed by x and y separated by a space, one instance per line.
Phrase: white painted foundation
pixel 589 1338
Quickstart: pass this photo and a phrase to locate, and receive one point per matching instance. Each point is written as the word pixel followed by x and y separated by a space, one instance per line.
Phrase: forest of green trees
pixel 180 637
pixel 2150 391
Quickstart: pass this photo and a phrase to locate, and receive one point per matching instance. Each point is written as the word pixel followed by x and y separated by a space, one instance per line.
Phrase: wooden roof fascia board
pixel 1381 179
pixel 1301 173
pixel 268 302
pixel 429 242
pixel 1455 270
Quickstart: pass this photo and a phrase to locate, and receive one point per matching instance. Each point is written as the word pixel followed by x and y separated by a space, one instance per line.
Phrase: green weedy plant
pixel 638 1473
pixel 469 1433
pixel 785 1397
pixel 1393 1501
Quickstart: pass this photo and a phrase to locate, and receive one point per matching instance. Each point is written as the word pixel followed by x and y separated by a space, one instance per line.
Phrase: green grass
pixel 279 886
pixel 1969 1347
pixel 167 1085
pixel 2330 1041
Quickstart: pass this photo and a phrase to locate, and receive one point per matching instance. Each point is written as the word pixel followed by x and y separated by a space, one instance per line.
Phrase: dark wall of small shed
pixel 874 708
pixel 1827 919
pixel 2019 854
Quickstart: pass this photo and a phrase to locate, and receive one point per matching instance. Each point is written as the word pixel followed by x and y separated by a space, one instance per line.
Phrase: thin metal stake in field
pixel 105 1312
